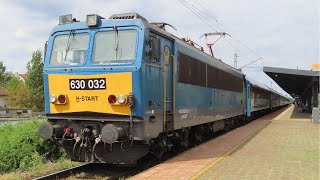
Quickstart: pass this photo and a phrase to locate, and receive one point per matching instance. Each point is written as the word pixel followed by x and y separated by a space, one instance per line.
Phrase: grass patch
pixel 41 169
pixel 23 154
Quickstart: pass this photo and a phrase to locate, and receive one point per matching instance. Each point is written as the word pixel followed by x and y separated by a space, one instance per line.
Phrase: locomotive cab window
pixel 153 52
pixel 69 49
pixel 114 47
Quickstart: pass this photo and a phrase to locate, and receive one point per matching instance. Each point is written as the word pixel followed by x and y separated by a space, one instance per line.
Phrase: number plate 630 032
pixel 87 84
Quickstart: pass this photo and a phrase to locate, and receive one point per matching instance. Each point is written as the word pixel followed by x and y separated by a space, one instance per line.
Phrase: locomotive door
pixel 168 85
pixel 248 99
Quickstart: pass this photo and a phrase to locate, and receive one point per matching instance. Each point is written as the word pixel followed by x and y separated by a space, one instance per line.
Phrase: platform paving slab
pixel 287 149
pixel 198 161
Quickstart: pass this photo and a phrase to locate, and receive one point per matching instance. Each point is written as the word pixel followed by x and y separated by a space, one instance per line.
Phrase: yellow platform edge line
pixel 214 162
pixel 283 113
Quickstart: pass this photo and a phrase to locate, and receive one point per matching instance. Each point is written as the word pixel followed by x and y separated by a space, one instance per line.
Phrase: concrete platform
pixel 281 145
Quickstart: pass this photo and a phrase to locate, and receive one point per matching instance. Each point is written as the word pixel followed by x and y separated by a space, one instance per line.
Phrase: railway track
pixel 113 172
pixel 107 171
pixel 92 171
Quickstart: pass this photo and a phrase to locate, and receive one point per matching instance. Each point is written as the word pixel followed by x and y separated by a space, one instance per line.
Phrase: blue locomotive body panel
pixel 166 88
pixel 209 101
pixel 191 100
pixel 89 68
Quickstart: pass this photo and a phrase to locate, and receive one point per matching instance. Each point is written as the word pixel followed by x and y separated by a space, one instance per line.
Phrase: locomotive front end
pixel 90 99
pixel 99 93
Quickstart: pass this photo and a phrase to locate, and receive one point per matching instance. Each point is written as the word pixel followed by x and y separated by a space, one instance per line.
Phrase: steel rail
pixel 114 172
pixel 65 173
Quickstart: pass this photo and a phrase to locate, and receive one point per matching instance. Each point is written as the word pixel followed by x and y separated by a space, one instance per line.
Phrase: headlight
pixel 122 99
pixel 53 98
pixel 93 20
pixel 64 19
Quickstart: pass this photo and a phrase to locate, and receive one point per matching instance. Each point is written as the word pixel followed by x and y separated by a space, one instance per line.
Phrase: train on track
pixel 121 88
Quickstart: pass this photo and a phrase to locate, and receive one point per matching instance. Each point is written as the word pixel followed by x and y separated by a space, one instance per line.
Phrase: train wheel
pixel 184 138
pixel 227 127
pixel 160 146
pixel 208 131
pixel 199 134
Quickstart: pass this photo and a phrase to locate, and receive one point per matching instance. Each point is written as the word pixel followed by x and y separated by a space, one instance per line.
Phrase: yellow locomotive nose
pixel 99 93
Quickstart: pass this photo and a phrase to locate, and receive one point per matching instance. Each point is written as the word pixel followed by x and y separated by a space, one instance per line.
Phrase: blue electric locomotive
pixel 118 89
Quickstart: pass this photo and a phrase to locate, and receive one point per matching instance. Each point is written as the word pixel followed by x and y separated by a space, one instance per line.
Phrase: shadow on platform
pixel 298 114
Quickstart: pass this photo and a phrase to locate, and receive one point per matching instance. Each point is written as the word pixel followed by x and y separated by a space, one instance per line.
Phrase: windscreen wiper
pixel 68 45
pixel 115 40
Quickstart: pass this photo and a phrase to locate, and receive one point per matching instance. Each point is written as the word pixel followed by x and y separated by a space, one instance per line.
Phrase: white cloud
pixel 20 33
pixel 285 33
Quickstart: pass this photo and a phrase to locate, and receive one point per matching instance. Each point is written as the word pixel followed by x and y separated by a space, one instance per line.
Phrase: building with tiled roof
pixel 3 94
pixel 24 76
pixel 21 77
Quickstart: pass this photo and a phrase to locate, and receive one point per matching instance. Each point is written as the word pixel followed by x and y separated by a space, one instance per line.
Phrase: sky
pixel 283 33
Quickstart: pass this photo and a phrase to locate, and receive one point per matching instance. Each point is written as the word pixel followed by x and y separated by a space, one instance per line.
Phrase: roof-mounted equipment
pixel 128 16
pixel 209 45
pixel 162 25
pixel 192 43
pixel 65 19
pixel 94 20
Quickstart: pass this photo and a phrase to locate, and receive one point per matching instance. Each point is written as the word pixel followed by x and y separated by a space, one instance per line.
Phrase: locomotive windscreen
pixel 114 47
pixel 69 49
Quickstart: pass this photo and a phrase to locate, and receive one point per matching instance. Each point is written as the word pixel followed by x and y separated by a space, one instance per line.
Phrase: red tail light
pixel 112 99
pixel 62 99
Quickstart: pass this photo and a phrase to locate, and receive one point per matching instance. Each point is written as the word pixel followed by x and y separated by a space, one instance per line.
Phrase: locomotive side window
pixel 223 80
pixel 153 52
pixel 193 71
pixel 114 47
pixel 69 49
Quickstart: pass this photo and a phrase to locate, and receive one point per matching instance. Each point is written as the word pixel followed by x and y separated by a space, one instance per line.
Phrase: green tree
pixel 2 69
pixel 34 81
pixel 4 75
pixel 18 95
pixel 6 78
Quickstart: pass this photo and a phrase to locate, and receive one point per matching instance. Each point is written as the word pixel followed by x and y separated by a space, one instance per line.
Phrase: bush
pixel 21 147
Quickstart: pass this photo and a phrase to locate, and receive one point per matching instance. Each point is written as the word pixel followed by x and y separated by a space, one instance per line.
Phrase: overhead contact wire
pixel 204 16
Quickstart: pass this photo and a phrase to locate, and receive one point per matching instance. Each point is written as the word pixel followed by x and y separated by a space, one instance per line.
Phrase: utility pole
pixel 235 60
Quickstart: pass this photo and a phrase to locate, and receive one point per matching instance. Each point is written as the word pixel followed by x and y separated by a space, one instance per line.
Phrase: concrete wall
pixel 8 112
pixel 2 101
